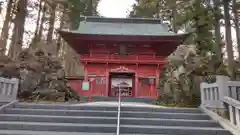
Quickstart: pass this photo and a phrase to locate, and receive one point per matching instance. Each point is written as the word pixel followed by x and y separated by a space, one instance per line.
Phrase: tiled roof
pixel 122 26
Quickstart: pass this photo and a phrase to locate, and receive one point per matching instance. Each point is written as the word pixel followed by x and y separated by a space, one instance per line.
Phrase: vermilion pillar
pixel 136 85
pixel 85 73
pixel 107 82
pixel 157 79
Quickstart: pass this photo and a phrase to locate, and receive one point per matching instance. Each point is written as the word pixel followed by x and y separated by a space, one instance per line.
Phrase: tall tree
pixel 228 38
pixel 62 21
pixel 51 23
pixel 43 19
pixel 90 8
pixel 6 25
pixel 18 31
pixel 236 23
pixel 40 8
pixel 217 31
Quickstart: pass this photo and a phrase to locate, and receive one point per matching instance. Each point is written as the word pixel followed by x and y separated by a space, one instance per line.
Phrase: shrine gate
pixel 130 52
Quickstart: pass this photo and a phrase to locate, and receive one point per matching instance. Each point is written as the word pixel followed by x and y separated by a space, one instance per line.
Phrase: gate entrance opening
pixel 123 81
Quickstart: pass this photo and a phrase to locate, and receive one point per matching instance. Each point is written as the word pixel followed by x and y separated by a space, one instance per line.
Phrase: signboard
pixel 151 77
pixel 92 75
pixel 85 85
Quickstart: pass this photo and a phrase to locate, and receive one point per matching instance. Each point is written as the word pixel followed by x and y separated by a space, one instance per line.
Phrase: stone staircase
pixel 39 119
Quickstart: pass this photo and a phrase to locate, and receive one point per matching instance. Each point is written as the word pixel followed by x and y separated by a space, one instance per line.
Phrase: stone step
pixel 20 132
pixel 110 128
pixel 169 122
pixel 85 107
pixel 24 132
pixel 173 130
pixel 63 107
pixel 108 120
pixel 60 127
pixel 58 119
pixel 166 115
pixel 172 110
pixel 58 112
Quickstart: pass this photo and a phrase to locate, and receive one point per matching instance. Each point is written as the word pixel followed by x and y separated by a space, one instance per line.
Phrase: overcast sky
pixel 115 8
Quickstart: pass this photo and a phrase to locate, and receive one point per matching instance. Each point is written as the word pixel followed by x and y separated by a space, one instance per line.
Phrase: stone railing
pixel 212 94
pixel 233 110
pixel 223 94
pixel 8 89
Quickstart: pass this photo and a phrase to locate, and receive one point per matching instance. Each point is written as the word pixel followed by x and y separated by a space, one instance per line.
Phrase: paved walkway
pixel 127 104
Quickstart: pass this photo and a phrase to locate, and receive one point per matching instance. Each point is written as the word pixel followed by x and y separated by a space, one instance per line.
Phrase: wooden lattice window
pixel 147 81
pixel 144 81
pixel 100 80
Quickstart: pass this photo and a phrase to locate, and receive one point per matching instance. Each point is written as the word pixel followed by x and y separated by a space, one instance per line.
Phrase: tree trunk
pixel 197 5
pixel 228 38
pixel 90 8
pixel 39 35
pixel 174 15
pixel 158 9
pixel 236 22
pixel 37 25
pixel 5 29
pixel 60 28
pixel 19 23
pixel 217 31
pixel 51 24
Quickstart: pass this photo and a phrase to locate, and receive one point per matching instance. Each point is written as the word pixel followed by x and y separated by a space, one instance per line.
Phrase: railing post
pixel 222 82
pixel 4 91
pixel 15 87
pixel 237 117
pixel 231 114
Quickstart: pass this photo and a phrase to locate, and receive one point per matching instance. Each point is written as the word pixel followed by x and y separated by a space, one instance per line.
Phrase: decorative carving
pixel 122 69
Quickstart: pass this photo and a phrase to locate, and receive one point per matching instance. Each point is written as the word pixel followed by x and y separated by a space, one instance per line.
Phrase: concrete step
pixel 58 119
pixel 58 112
pixel 166 115
pixel 169 122
pixel 108 120
pixel 169 130
pixel 24 132
pixel 85 107
pixel 171 110
pixel 59 127
pixel 63 107
pixel 106 128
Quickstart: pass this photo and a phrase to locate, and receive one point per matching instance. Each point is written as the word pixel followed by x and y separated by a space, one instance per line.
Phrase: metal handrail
pixel 119 110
